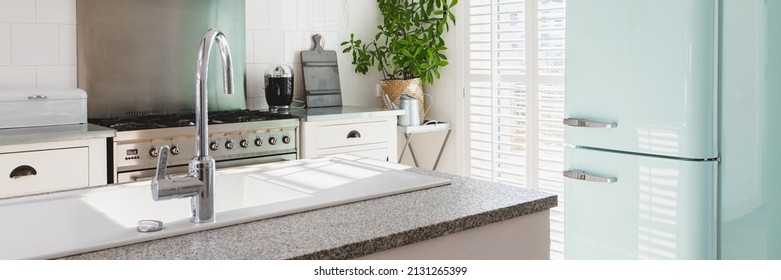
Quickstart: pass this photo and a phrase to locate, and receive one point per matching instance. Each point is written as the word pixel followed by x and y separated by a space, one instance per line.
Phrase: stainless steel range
pixel 138 60
pixel 236 138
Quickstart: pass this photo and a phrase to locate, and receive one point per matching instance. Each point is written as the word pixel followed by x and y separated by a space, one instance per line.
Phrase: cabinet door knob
pixel 353 134
pixel 22 171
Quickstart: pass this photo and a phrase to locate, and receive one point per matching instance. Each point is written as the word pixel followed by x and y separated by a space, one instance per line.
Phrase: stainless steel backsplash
pixel 138 57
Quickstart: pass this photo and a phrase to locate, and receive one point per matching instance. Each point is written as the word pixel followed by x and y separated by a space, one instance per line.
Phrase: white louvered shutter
pixel 515 97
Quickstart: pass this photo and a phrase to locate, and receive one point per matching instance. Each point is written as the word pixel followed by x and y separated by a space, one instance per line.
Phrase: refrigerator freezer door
pixel 647 68
pixel 656 208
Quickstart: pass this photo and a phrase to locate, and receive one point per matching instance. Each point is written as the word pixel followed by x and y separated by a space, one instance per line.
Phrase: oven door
pixel 147 174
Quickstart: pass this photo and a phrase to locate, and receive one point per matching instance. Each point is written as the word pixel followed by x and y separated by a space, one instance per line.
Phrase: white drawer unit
pixel 52 166
pixel 373 137
pixel 41 171
pixel 351 134
pixel 46 144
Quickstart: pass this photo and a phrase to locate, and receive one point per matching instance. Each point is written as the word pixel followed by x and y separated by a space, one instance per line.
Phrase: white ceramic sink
pixel 66 223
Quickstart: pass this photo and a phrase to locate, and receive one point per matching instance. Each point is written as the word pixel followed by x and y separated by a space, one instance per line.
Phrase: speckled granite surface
pixel 350 230
pixel 43 134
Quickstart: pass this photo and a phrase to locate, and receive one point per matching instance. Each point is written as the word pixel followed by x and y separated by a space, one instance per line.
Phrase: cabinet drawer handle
pixel 583 176
pixel 23 171
pixel 353 134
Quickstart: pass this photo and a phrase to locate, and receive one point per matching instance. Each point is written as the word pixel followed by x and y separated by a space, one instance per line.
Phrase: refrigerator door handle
pixel 577 122
pixel 583 176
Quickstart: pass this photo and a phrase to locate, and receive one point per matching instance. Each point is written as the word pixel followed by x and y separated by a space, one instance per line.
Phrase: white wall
pixel 38 50
pixel 37 44
pixel 360 17
pixel 277 31
pixel 448 106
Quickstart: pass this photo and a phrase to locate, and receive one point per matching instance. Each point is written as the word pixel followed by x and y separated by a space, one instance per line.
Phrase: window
pixel 514 84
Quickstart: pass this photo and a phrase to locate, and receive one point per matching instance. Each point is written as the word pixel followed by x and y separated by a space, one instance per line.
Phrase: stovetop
pixel 130 123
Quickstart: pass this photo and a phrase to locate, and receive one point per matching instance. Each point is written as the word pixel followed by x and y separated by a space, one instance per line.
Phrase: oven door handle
pixel 140 178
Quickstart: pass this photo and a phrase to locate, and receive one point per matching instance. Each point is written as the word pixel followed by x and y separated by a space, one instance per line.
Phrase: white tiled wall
pixel 277 31
pixel 37 44
pixel 38 41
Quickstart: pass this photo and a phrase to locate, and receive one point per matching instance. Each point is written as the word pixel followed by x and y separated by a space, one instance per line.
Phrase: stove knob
pixel 244 143
pixel 229 145
pixel 272 140
pixel 175 150
pixel 154 152
pixel 258 142
pixel 286 139
pixel 214 146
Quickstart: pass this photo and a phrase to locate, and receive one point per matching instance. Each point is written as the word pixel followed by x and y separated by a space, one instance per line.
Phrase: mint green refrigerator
pixel 669 130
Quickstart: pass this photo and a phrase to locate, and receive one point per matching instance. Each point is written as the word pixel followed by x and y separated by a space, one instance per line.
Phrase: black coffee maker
pixel 279 89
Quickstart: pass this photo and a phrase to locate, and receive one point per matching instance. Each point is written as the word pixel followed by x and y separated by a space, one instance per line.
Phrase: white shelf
pixel 442 126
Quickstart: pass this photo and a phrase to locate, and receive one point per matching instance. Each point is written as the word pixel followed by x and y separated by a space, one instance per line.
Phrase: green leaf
pixel 408 42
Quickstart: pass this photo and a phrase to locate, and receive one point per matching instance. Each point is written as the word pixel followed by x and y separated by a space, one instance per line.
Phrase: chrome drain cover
pixel 149 226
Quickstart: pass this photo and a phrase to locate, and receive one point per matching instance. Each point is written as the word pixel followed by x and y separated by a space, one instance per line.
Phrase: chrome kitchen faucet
pixel 198 184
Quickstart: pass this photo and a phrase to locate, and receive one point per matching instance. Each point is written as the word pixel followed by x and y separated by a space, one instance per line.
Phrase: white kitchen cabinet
pixel 372 137
pixel 52 166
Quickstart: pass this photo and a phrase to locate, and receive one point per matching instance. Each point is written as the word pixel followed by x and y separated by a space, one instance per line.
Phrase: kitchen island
pixel 469 219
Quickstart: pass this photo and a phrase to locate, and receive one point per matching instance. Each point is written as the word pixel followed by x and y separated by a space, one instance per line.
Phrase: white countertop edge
pixel 28 135
pixel 342 112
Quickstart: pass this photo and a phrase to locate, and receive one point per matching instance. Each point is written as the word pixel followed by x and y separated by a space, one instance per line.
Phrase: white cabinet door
pixel 657 208
pixel 369 137
pixel 42 171
pixel 352 134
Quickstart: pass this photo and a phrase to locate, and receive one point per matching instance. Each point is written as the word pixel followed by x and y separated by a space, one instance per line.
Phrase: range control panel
pixel 142 154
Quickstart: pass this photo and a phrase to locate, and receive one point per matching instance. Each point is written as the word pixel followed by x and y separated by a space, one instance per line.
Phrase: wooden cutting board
pixel 321 76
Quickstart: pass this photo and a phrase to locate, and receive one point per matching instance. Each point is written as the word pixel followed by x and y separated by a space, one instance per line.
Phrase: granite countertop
pixel 350 230
pixel 29 135
pixel 341 112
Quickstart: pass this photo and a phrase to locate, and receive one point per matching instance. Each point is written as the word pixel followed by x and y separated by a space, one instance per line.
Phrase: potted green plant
pixel 408 48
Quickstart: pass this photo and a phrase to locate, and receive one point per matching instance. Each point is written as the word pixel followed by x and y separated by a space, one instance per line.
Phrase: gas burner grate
pixel 181 120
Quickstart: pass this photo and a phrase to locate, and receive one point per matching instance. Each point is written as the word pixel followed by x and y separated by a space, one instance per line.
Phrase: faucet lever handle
pixel 162 163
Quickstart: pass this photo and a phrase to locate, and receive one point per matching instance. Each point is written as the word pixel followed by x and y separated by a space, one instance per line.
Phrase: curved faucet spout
pixel 201 87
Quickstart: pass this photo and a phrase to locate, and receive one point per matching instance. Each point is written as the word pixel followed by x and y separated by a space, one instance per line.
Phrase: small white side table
pixel 409 131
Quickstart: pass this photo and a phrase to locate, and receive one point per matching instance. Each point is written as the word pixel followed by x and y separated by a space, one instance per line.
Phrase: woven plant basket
pixel 396 88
